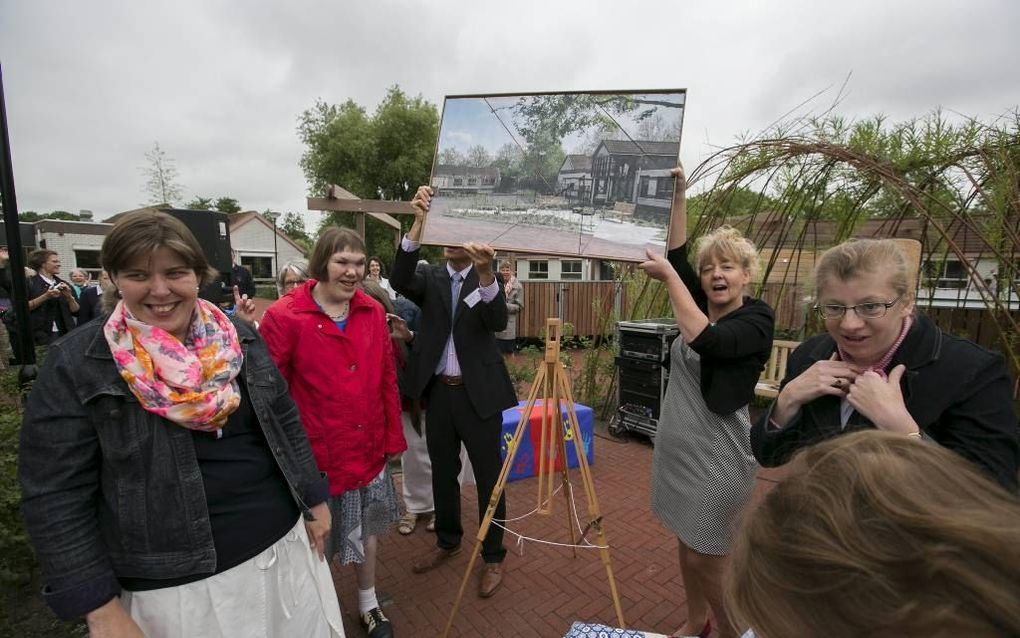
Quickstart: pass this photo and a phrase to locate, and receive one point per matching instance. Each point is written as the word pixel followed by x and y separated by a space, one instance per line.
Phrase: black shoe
pixel 376 624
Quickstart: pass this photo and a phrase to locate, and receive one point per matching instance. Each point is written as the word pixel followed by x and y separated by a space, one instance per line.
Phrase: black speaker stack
pixel 643 350
pixel 212 230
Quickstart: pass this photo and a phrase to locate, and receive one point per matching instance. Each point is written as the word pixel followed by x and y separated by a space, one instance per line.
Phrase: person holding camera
pixel 51 302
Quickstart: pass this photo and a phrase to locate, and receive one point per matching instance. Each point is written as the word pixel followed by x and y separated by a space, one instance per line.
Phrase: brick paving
pixel 544 588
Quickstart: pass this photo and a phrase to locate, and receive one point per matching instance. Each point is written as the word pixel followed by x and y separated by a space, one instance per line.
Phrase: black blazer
pixel 51 310
pixel 958 392
pixel 733 350
pixel 485 375
pixel 88 305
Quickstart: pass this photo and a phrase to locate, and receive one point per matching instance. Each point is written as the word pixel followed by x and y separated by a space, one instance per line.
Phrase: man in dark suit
pixel 456 366
pixel 241 277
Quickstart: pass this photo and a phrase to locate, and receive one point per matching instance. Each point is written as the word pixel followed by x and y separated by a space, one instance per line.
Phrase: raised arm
pixel 678 211
pixel 405 277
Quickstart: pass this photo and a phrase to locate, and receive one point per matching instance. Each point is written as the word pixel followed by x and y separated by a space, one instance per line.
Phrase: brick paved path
pixel 545 589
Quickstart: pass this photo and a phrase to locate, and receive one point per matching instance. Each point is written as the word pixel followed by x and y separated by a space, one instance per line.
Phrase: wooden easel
pixel 552 381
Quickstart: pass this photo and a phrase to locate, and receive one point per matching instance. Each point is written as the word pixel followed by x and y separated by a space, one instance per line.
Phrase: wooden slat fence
pixel 584 305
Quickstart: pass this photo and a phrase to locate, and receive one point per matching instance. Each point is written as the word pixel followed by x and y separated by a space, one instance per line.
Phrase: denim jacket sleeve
pixel 59 467
pixel 312 487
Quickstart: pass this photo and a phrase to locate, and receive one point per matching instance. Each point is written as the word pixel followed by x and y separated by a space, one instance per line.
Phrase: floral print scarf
pixel 193 383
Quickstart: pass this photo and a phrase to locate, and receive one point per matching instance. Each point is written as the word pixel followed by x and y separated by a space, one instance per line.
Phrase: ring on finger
pixel 838 383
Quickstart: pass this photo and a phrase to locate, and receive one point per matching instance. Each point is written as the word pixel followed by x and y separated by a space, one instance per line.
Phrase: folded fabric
pixel 595 630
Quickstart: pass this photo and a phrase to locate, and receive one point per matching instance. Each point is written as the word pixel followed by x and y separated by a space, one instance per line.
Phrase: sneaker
pixel 376 624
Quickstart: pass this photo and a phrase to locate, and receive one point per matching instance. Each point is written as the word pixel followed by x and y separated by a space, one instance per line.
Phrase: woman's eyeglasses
pixel 290 284
pixel 867 310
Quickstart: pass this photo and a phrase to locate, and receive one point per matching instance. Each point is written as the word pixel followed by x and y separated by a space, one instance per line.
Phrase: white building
pixel 259 249
pixel 78 244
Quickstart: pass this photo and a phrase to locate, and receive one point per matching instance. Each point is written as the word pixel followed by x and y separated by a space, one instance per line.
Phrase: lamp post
pixel 273 216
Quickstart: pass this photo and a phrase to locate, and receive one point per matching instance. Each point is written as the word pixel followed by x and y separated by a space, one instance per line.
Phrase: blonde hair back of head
pixel 857 256
pixel 729 243
pixel 878 534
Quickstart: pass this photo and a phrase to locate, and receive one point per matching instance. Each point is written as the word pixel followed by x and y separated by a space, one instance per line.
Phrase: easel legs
pixel 550 376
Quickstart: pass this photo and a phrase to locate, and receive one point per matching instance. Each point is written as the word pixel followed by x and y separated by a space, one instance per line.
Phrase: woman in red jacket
pixel 332 344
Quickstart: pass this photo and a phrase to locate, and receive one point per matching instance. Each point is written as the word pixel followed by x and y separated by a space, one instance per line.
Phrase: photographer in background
pixel 51 303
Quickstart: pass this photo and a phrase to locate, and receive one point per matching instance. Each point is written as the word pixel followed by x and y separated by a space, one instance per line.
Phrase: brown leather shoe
pixel 433 559
pixel 492 578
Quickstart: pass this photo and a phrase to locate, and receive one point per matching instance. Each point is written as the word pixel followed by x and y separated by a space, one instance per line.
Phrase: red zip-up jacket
pixel 344 383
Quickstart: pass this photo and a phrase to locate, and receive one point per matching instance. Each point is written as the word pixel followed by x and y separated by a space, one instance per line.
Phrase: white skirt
pixel 285 591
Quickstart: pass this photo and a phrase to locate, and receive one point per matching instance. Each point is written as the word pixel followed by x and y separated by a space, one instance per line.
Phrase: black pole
pixel 12 228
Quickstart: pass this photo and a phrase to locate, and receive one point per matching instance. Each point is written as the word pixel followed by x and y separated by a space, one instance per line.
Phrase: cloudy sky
pixel 91 85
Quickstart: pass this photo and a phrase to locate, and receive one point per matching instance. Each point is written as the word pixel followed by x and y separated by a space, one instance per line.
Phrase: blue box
pixel 526 459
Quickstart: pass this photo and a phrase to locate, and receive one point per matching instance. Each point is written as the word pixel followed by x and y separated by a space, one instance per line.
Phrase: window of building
pixel 260 267
pixel 949 273
pixel 538 269
pixel 472 181
pixel 87 259
pixel 650 191
pixel 458 181
pixel 570 269
pixel 606 272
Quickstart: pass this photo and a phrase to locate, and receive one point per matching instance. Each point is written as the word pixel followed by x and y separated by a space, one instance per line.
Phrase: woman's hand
pixel 318 529
pixel 657 267
pixel 824 378
pixel 112 621
pixel 881 401
pixel 398 327
pixel 244 308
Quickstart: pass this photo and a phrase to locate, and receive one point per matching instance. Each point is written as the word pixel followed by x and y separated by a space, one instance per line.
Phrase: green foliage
pixel 227 205
pixel 383 156
pixel 16 559
pixel 32 216
pixel 222 204
pixel 387 155
pixel 293 226
pixel 200 203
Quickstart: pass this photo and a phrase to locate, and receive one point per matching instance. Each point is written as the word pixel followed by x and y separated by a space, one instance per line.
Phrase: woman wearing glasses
pixel 881 365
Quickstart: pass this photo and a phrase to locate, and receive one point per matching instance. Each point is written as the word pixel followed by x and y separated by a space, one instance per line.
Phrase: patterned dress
pixel 702 467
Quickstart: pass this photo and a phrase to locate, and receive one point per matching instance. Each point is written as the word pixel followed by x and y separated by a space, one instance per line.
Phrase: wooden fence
pixel 583 304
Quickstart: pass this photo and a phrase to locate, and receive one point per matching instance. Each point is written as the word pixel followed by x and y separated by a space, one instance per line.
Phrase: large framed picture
pixel 571 174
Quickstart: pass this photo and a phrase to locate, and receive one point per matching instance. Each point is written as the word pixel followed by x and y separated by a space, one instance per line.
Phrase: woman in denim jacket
pixel 167 480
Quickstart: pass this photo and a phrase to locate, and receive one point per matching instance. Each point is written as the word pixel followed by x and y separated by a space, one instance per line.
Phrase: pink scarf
pixel 193 383
pixel 883 363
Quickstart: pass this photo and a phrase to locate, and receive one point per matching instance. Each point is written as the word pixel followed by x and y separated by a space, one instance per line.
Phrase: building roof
pixel 640 147
pixel 576 163
pixel 464 171
pixel 68 226
pixel 771 230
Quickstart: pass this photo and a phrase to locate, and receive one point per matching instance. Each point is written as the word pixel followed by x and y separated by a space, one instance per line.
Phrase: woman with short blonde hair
pixel 876 534
pixel 881 364
pixel 702 468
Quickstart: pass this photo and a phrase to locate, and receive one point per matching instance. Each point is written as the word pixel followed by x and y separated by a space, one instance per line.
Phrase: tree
pixel 227 205
pixel 161 177
pixel 452 157
pixel 383 156
pixel 293 226
pixel 478 157
pixel 32 216
pixel 200 203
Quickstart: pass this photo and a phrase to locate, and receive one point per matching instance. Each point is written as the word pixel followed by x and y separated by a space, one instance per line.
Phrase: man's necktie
pixel 455 283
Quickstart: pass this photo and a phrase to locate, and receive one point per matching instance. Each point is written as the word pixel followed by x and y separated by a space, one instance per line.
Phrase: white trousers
pixel 416 466
pixel 283 592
